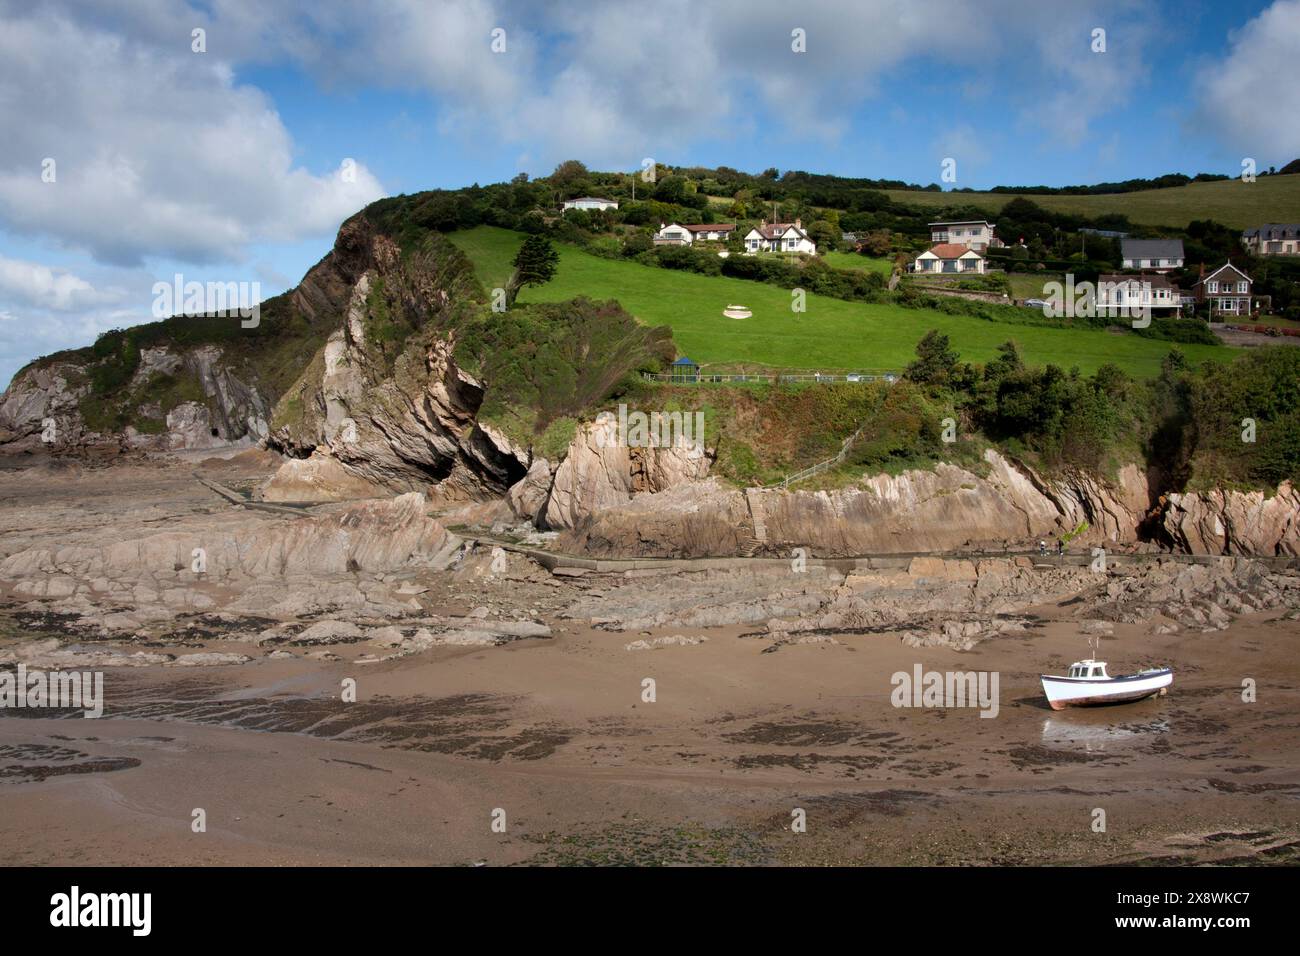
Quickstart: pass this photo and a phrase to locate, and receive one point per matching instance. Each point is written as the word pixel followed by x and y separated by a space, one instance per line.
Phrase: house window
pixel 1213 287
pixel 1241 287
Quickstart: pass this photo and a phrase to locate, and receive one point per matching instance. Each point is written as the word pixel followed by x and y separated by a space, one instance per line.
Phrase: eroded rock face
pixel 318 478
pixel 398 416
pixel 946 509
pixel 528 495
pixel 601 473
pixel 39 393
pixel 1235 522
pixel 371 536
pixel 232 410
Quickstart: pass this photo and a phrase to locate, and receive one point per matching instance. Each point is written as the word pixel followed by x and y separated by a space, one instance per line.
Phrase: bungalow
pixel 1159 255
pixel 779 237
pixel 1227 289
pixel 679 235
pixel 1121 294
pixel 1273 239
pixel 589 202
pixel 949 257
pixel 976 234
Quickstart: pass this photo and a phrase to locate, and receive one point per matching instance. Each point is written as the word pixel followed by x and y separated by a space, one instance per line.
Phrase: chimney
pixel 762 224
pixel 798 223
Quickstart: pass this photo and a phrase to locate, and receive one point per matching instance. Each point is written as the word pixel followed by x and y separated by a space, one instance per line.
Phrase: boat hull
pixel 1063 692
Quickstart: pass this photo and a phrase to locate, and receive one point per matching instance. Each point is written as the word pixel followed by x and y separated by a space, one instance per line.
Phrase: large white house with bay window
pixel 779 237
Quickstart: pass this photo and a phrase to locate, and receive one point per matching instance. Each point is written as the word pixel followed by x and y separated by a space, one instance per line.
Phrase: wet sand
pixel 554 732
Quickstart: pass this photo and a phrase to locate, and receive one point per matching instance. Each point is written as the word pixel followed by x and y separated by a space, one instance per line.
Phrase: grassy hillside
pixel 851 260
pixel 1237 204
pixel 831 334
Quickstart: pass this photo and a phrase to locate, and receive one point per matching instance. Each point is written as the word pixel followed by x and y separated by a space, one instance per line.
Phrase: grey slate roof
pixel 1152 248
pixel 1274 231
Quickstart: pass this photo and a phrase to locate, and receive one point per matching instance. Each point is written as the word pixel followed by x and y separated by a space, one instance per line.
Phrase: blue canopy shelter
pixel 684 370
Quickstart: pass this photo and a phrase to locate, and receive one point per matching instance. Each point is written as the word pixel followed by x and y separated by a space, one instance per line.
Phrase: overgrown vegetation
pixel 1191 424
pixel 548 365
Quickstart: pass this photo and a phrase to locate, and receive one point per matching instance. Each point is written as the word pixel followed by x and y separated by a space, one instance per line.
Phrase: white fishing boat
pixel 1087 684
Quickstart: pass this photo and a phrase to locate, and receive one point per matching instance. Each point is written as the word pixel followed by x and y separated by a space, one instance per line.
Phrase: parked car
pixel 852 378
pixel 1036 303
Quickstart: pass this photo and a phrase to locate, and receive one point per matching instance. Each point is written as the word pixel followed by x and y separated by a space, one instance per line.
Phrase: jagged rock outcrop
pixel 41 392
pixel 1235 522
pixel 231 409
pixel 384 398
pixel 601 472
pixel 527 496
pixel 945 509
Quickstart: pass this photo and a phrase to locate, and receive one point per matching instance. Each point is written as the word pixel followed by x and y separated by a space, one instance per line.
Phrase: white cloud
pixel 1250 100
pixel 48 288
pixel 614 81
pixel 157 151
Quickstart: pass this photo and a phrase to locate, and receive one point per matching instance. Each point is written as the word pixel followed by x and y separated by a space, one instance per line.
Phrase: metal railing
pixel 821 466
pixel 704 378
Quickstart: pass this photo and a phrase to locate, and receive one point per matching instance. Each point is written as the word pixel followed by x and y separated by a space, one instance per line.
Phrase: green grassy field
pixel 1029 285
pixel 1232 202
pixel 851 260
pixel 831 334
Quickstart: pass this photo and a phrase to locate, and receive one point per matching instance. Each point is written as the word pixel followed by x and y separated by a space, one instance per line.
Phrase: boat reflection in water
pixel 1072 733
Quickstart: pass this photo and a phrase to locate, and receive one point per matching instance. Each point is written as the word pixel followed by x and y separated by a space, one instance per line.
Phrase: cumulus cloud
pixel 156 150
pixel 1250 99
pixel 616 80
pixel 48 288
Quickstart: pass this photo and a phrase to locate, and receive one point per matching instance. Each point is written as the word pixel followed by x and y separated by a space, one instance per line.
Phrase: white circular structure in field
pixel 736 312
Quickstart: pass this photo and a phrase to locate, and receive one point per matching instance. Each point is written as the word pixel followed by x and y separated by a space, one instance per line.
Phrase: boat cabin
pixel 1093 669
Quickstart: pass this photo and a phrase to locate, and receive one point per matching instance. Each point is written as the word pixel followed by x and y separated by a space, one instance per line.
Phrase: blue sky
pixel 224 165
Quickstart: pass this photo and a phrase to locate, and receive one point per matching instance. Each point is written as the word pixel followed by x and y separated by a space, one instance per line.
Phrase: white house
pixel 949 257
pixel 1126 295
pixel 779 237
pixel 589 202
pixel 1159 255
pixel 976 234
pixel 679 235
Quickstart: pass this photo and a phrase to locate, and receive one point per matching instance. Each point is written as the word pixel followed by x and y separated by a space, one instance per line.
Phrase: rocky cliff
pixel 1235 522
pixel 615 501
pixel 384 373
pixel 384 402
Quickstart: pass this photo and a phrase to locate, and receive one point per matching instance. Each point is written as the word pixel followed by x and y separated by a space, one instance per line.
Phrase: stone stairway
pixel 754 499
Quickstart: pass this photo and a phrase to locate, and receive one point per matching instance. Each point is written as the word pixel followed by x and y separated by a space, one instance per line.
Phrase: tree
pixel 534 265
pixel 935 360
pixel 569 172
pixel 671 189
pixel 824 235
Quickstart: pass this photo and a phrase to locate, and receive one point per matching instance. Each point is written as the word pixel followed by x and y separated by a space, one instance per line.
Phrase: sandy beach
pixel 553 739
